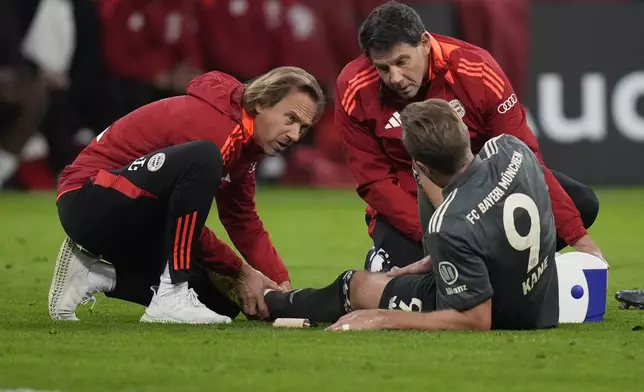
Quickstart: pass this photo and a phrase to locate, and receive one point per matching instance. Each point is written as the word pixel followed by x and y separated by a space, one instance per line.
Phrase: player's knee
pixel 366 288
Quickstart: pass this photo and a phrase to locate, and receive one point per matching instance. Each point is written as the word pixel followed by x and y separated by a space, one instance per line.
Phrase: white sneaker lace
pixel 86 300
pixel 193 299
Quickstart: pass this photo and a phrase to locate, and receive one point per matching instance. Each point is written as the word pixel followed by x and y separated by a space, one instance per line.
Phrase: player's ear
pixel 261 105
pixel 425 43
pixel 422 169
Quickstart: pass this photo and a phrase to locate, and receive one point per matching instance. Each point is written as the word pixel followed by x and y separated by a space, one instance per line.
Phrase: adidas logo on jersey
pixel 394 121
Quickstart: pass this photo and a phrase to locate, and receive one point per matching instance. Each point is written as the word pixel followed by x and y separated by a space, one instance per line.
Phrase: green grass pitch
pixel 319 233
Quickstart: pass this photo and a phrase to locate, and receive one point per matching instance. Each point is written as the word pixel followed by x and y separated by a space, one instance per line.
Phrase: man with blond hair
pixel 491 243
pixel 135 201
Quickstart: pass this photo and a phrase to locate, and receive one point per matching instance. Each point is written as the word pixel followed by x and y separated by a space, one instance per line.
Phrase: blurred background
pixel 68 68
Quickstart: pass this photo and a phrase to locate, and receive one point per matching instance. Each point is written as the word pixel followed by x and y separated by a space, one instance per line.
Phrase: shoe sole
pixel 146 318
pixel 626 304
pixel 59 279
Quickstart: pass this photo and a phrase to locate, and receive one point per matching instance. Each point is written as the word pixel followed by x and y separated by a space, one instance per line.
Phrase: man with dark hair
pixel 139 195
pixel 491 243
pixel 403 63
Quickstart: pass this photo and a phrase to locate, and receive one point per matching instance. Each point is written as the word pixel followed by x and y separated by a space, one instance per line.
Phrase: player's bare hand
pixel 419 267
pixel 286 286
pixel 587 245
pixel 373 319
pixel 250 287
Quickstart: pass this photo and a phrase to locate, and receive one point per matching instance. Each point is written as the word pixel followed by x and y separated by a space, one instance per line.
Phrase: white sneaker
pixel 180 306
pixel 70 284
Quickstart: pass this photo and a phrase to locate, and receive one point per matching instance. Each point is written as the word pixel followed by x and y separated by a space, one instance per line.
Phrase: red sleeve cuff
pixel 281 278
pixel 572 230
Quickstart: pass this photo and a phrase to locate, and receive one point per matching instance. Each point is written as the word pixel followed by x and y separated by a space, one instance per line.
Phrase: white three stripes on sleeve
pixel 437 219
pixel 491 147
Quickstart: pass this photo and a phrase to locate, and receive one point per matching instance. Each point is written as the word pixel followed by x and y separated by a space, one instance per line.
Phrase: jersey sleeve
pixel 372 169
pixel 238 214
pixel 503 113
pixel 462 279
pixel 505 142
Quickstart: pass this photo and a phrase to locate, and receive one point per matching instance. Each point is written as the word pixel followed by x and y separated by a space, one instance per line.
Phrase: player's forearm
pixel 396 205
pixel 441 320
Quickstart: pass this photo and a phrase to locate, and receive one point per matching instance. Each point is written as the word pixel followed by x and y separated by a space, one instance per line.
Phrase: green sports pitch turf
pixel 319 234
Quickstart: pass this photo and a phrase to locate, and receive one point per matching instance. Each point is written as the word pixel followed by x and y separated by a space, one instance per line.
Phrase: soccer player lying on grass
pixel 403 63
pixel 491 243
pixel 138 197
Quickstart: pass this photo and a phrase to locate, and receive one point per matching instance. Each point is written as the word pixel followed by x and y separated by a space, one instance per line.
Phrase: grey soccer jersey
pixel 494 238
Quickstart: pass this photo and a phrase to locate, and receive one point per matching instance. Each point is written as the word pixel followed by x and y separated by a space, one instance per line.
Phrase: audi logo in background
pixel 508 104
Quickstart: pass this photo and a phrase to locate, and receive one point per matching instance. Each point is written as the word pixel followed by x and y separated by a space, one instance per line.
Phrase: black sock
pixel 133 287
pixel 317 305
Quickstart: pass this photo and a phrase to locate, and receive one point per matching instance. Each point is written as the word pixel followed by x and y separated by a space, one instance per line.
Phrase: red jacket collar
pixel 438 61
pixel 248 126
